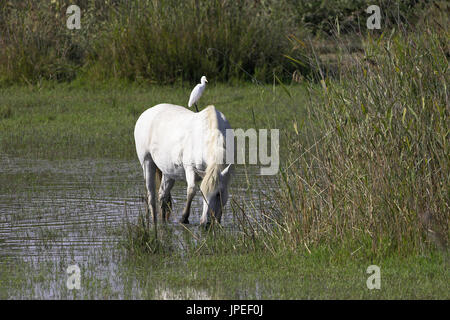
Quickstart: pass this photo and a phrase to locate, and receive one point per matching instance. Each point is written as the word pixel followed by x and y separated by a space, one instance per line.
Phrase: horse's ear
pixel 200 173
pixel 225 172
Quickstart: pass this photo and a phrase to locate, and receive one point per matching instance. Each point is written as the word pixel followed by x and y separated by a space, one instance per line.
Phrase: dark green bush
pixel 145 40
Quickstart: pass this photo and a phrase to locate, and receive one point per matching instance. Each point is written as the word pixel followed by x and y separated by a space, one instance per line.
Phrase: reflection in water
pixel 70 211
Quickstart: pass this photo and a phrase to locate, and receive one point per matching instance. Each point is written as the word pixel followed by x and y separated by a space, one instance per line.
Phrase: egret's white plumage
pixel 197 92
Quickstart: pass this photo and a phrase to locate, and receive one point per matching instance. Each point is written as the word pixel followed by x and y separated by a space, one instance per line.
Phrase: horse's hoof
pixel 205 225
pixel 184 221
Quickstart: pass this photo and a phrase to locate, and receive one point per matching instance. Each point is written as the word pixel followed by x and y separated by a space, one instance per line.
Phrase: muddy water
pixel 72 211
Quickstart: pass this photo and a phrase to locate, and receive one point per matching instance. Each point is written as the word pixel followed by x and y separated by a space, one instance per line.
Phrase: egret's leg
pixel 165 198
pixel 190 179
pixel 195 104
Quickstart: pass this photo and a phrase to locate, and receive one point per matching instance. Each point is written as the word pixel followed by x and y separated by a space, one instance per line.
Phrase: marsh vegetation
pixel 364 176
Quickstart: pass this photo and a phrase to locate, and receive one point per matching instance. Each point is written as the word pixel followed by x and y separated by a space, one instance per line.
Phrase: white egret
pixel 197 93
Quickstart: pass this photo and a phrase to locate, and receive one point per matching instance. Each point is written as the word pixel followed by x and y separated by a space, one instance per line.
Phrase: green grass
pixel 316 276
pixel 73 121
pixel 288 275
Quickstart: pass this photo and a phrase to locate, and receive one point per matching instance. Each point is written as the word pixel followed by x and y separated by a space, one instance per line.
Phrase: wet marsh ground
pixel 71 187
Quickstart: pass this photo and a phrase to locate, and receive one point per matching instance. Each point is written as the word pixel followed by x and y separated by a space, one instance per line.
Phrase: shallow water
pixel 71 212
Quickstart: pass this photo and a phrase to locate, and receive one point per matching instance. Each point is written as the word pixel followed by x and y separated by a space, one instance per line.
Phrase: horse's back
pixel 175 137
pixel 157 120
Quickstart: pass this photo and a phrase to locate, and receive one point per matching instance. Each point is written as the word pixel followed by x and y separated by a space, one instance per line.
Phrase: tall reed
pixel 373 172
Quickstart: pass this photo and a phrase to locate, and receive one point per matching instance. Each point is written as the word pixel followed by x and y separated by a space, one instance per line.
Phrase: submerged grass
pixel 287 275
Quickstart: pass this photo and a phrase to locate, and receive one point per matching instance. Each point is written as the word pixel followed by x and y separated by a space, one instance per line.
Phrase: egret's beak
pixel 206 80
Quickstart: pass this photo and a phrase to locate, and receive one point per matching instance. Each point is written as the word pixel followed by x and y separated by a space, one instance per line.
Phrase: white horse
pixel 183 145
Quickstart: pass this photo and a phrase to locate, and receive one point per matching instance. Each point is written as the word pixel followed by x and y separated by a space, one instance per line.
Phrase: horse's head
pixel 214 188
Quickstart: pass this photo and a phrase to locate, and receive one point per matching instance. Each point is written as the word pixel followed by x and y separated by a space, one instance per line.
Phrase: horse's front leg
pixel 190 179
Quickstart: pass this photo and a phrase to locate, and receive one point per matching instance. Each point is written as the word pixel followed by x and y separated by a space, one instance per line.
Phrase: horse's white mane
pixel 216 152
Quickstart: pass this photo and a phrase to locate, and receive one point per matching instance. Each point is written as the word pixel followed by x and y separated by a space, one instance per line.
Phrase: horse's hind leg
pixel 149 175
pixel 165 198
